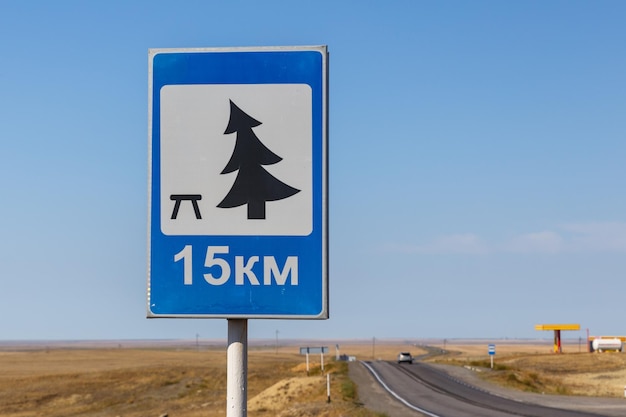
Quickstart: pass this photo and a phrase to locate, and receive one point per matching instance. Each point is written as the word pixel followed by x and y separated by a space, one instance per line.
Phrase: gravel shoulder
pixel 375 398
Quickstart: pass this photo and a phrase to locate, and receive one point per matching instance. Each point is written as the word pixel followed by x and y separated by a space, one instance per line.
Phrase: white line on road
pixel 399 398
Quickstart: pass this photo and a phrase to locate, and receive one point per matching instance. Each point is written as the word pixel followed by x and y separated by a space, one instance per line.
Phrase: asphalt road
pixel 421 389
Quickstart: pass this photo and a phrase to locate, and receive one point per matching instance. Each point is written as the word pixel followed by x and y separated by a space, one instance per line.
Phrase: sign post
pixel 492 352
pixel 238 189
pixel 321 350
pixel 237 368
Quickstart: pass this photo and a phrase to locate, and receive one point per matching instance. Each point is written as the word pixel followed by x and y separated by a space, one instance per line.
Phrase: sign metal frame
pixel 178 264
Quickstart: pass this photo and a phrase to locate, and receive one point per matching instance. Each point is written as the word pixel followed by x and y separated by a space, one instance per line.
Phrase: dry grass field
pixel 183 381
pixel 145 382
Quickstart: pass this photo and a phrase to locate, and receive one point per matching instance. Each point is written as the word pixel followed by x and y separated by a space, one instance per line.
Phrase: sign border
pixel 323 50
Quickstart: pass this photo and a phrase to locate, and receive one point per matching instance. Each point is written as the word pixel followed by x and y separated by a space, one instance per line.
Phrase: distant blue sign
pixel 312 350
pixel 492 349
pixel 238 191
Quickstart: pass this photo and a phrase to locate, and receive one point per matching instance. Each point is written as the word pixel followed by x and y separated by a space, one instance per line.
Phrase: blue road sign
pixel 313 350
pixel 491 349
pixel 238 190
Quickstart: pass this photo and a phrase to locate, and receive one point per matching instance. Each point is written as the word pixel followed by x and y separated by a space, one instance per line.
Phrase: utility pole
pixel 374 348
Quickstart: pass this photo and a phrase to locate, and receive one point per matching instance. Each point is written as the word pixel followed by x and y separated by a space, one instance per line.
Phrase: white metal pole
pixel 491 361
pixel 307 362
pixel 328 387
pixel 237 368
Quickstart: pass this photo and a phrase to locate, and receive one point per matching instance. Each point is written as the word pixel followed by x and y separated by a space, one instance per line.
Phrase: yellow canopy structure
pixel 557 332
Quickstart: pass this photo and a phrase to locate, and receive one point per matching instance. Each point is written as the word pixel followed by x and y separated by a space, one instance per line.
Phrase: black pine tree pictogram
pixel 253 185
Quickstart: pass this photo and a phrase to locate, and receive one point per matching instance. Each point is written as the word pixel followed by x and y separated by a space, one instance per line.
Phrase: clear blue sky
pixel 477 163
